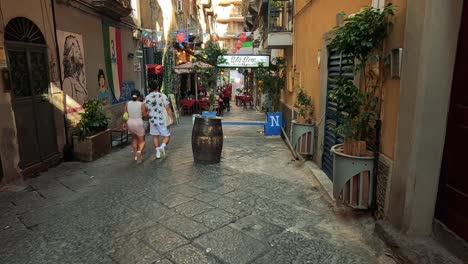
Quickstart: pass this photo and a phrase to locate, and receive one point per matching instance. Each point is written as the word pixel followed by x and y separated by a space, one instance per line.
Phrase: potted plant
pixel 93 139
pixel 306 108
pixel 358 108
pixel 271 80
pixel 212 54
pixel 303 128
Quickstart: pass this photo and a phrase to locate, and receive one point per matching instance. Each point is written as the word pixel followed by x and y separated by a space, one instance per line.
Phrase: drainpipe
pixel 68 147
pixel 378 126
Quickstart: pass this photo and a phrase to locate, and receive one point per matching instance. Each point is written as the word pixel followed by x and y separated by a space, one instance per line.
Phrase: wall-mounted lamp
pixel 396 56
pixel 319 55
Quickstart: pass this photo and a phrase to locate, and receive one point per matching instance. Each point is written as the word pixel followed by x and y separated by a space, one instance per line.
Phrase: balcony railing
pixel 279 16
pixel 113 8
pixel 280 24
pixel 230 19
pixel 228 2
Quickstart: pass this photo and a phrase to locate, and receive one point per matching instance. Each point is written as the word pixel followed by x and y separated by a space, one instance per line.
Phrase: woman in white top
pixel 136 111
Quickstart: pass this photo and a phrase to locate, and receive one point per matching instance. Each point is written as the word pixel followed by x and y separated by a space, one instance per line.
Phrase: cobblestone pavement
pixel 256 206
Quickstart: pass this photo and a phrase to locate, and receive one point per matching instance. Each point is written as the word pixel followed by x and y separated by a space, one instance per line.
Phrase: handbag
pixel 167 118
pixel 125 114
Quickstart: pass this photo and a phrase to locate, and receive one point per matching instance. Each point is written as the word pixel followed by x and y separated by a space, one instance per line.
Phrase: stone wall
pixel 115 113
pixel 383 178
pixel 289 114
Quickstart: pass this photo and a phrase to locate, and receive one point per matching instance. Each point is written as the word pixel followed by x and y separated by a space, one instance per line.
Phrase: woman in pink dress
pixel 136 111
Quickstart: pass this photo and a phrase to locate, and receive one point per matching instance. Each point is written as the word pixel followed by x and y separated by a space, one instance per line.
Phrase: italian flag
pixel 113 58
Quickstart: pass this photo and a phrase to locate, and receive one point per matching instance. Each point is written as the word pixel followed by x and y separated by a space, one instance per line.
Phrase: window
pixel 179 5
pixel 190 7
pixel 378 3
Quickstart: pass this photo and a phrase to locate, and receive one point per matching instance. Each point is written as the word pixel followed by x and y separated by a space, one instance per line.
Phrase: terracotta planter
pixel 355 148
pixel 352 178
pixel 92 147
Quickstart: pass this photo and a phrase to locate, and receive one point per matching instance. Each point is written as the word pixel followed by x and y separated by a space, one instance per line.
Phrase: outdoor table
pixel 244 99
pixel 191 103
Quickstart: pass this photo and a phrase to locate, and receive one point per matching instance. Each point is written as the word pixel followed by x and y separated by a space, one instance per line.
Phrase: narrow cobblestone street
pixel 256 206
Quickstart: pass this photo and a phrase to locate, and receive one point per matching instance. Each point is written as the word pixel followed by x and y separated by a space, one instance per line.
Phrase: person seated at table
pixel 201 92
pixel 190 94
pixel 219 105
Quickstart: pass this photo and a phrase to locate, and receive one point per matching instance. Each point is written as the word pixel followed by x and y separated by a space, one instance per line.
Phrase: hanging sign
pixel 245 61
pixel 182 36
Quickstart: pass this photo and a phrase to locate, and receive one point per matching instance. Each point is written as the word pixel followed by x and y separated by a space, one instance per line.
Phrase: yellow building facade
pixel 307 59
pixel 307 68
pixel 414 185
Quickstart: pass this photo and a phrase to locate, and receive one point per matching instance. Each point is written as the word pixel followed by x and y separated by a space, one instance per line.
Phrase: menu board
pixel 174 107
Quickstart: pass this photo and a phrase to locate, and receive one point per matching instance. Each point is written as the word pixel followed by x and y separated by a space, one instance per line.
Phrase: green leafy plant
pixel 93 120
pixel 212 54
pixel 361 38
pixel 272 80
pixel 356 110
pixel 363 33
pixel 305 105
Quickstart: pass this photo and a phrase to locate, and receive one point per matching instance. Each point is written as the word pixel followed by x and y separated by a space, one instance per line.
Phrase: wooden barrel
pixel 207 140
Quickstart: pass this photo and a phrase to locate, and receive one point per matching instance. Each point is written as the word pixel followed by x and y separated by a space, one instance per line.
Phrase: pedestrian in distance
pixel 134 111
pixel 227 93
pixel 159 110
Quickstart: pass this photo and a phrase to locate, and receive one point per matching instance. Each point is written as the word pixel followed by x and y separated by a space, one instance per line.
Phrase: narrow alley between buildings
pixel 256 206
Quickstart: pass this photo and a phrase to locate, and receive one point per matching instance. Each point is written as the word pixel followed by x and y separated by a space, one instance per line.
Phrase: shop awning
pixel 189 67
pixel 154 68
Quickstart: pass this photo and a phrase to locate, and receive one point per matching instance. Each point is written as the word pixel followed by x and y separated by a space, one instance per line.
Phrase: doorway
pixel 339 65
pixel 452 198
pixel 29 73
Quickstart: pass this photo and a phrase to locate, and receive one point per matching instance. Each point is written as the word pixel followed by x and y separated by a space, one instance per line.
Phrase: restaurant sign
pixel 245 61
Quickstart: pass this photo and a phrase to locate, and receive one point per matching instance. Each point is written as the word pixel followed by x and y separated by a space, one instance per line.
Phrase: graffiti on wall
pixel 113 59
pixel 73 68
pixel 103 93
pixel 127 88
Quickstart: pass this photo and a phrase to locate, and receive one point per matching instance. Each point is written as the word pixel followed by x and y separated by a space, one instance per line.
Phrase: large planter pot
pixel 207 139
pixel 303 137
pixel 92 147
pixel 352 178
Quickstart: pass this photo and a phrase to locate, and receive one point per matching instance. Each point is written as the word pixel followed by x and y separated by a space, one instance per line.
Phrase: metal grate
pixel 21 29
pixel 338 65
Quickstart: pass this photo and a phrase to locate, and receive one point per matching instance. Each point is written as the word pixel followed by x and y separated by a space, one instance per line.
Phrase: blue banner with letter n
pixel 274 124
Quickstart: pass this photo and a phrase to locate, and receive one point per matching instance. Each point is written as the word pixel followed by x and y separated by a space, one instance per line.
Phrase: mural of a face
pixel 72 57
pixel 103 94
pixel 73 61
pixel 101 80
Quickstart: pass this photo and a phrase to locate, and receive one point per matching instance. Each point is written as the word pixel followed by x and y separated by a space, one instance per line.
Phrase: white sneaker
pixel 158 154
pixel 163 151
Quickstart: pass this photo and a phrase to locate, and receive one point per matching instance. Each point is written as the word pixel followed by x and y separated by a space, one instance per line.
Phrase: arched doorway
pixel 29 74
